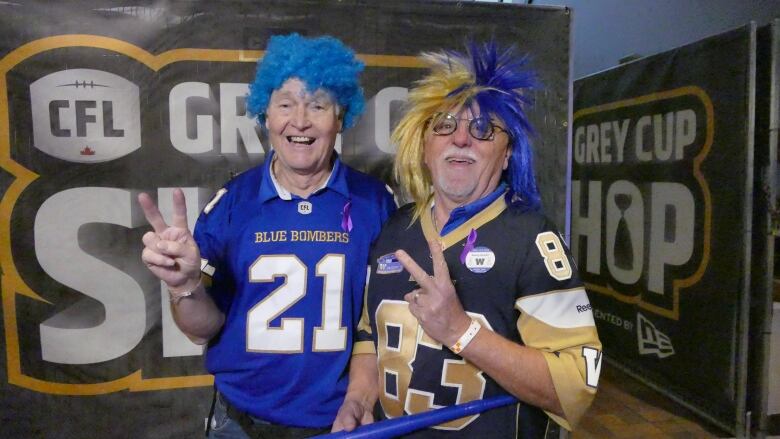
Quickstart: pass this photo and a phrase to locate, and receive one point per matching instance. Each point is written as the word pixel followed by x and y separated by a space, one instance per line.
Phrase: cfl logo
pixel 85 115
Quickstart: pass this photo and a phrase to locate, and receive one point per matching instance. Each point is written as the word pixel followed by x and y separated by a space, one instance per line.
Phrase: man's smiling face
pixel 464 169
pixel 302 127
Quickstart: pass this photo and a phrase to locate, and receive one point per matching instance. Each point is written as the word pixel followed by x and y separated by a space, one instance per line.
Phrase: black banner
pixel 101 100
pixel 661 217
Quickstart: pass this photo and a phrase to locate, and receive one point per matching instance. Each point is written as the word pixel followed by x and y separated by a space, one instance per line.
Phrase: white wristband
pixel 177 297
pixel 467 336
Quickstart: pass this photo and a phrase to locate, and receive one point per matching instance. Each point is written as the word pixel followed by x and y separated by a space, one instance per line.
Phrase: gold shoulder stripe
pixel 487 214
pixel 426 222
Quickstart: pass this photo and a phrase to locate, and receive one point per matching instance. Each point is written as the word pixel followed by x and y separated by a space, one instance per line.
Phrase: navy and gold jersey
pixel 519 280
pixel 289 274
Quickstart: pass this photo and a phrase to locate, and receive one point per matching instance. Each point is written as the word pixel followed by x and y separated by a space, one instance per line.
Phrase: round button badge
pixel 480 259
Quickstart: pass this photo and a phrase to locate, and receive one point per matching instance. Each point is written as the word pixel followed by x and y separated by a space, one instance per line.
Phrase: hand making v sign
pixel 435 304
pixel 170 251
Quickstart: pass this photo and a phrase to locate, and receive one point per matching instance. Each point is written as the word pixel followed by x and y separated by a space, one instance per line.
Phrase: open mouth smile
pixel 460 160
pixel 302 140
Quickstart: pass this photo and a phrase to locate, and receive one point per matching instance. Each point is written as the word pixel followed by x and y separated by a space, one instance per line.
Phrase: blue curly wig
pixel 320 63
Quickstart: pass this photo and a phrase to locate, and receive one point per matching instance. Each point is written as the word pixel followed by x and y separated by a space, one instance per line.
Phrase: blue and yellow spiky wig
pixel 495 79
pixel 320 63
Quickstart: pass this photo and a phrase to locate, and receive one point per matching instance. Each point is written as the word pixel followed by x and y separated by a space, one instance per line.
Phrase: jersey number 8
pixel 554 255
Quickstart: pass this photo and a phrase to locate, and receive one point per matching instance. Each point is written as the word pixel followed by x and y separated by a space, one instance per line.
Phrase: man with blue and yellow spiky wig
pixel 497 298
pixel 273 277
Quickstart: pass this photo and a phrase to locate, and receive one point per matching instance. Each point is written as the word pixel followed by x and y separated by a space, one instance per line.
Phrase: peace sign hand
pixel 435 304
pixel 170 252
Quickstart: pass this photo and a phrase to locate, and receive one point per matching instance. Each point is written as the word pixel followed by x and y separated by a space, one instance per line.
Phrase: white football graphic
pixel 85 115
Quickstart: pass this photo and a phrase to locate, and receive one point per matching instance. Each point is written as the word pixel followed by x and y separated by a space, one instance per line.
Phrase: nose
pixel 461 137
pixel 300 117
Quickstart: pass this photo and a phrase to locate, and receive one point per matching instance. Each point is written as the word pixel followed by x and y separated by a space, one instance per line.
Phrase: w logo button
pixel 480 259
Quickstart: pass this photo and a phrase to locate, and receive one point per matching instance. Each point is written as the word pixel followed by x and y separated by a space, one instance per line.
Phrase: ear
pixel 266 121
pixel 507 157
pixel 340 118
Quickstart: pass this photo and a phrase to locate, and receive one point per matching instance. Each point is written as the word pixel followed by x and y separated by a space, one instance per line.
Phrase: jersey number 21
pixel 289 336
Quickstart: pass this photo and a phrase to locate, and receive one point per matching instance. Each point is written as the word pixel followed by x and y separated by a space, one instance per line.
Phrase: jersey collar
pixel 270 187
pixel 472 216
pixel 461 214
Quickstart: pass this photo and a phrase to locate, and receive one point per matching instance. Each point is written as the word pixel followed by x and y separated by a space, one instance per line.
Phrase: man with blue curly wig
pixel 495 307
pixel 273 277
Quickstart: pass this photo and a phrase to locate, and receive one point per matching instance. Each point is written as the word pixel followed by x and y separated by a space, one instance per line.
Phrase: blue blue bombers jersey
pixel 289 274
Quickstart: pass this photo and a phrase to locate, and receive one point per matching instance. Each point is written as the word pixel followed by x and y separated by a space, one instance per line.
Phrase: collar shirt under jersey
pixel 513 274
pixel 289 274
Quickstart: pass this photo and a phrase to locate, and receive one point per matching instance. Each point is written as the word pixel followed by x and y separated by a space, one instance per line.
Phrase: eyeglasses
pixel 480 128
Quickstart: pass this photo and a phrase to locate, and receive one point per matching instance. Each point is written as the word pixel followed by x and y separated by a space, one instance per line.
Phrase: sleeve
pixel 556 318
pixel 209 237
pixel 364 342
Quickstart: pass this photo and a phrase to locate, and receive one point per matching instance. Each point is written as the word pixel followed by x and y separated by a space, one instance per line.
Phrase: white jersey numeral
pixel 331 336
pixel 554 256
pixel 288 337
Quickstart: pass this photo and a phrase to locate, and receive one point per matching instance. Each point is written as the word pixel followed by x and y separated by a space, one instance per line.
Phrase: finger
pixel 415 303
pixel 411 266
pixel 410 296
pixel 349 423
pixel 345 420
pixel 440 270
pixel 179 209
pixel 174 249
pixel 150 239
pixel 152 213
pixel 150 257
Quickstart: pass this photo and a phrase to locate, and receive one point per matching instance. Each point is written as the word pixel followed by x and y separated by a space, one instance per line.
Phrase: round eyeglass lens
pixel 444 123
pixel 481 128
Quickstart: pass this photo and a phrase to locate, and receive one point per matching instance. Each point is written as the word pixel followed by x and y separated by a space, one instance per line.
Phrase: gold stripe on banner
pixel 12 283
pixel 677 284
pixel 391 61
